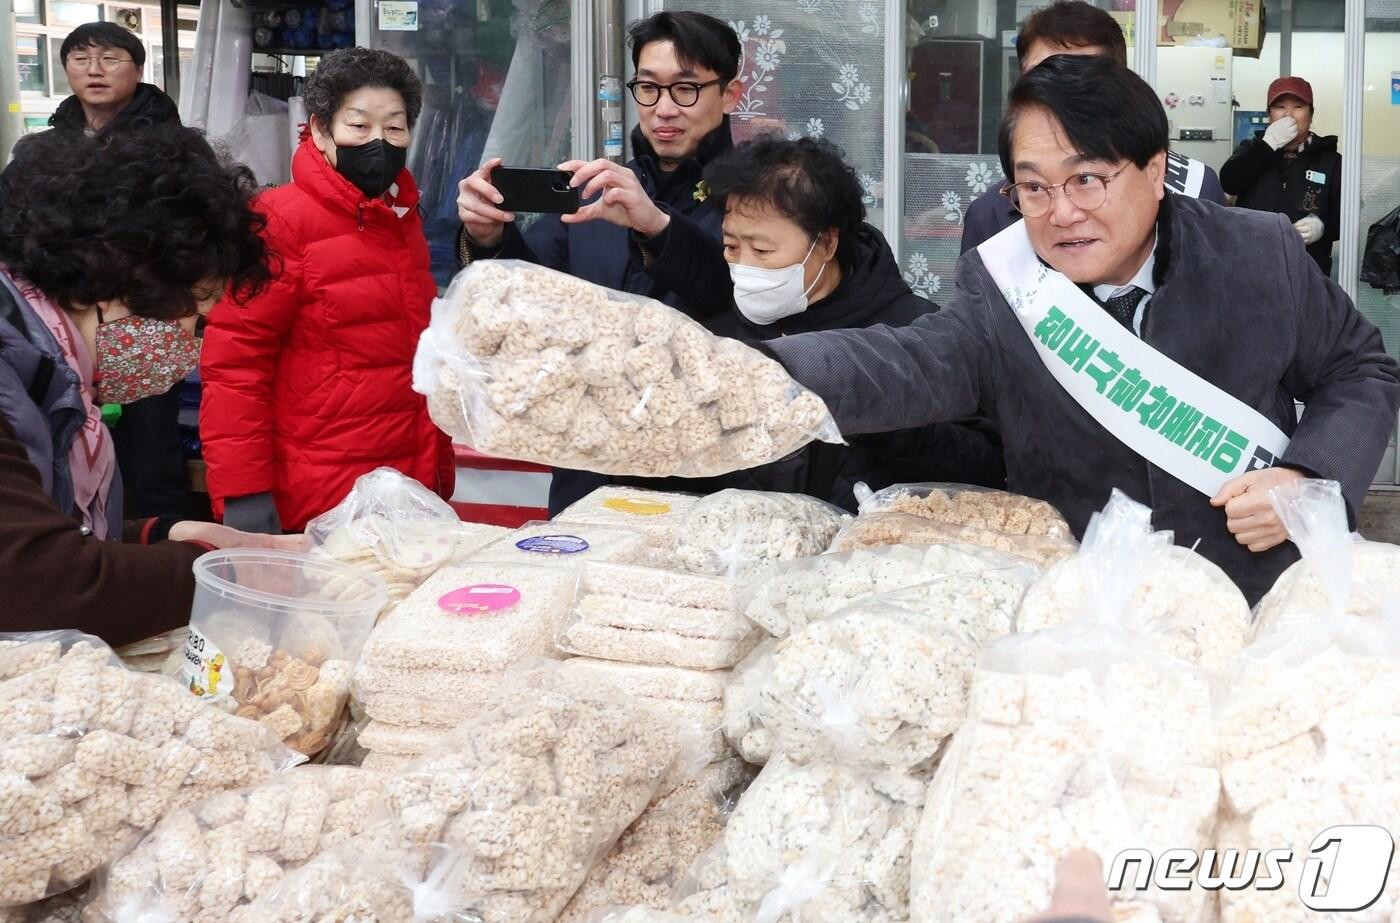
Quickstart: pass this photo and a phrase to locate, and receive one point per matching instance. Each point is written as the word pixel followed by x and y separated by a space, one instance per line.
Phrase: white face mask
pixel 766 296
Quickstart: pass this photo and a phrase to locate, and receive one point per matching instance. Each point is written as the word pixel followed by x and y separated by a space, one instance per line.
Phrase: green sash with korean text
pixel 1170 416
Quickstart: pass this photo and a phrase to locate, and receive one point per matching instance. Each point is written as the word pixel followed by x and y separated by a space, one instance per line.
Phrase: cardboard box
pixel 1240 23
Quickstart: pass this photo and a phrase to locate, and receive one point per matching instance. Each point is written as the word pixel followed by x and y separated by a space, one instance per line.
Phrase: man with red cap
pixel 1288 169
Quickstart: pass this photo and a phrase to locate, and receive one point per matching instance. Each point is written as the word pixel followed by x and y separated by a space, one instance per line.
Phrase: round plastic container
pixel 274 636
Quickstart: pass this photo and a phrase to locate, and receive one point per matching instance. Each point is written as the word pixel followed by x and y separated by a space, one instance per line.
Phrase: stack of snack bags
pixel 93 755
pixel 436 659
pixel 667 639
pixel 502 821
pixel 656 515
pixel 1086 735
pixel 1309 733
pixel 921 514
pixel 397 529
pixel 217 857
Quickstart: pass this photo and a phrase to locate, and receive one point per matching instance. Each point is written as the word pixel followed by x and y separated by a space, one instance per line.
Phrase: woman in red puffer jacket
pixel 308 386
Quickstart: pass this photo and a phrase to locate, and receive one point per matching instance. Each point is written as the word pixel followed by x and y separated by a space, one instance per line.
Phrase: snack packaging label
pixel 637 506
pixel 553 544
pixel 479 599
pixel 206 671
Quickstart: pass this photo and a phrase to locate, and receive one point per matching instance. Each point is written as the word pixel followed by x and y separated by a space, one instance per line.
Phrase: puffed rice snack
pixel 93 755
pixel 521 361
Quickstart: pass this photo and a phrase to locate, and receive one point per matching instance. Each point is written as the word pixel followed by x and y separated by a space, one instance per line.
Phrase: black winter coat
pixel 149 106
pixel 871 292
pixel 1306 182
pixel 1289 334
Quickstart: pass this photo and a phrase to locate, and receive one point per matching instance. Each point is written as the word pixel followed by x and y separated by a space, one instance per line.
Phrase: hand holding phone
pixel 484 210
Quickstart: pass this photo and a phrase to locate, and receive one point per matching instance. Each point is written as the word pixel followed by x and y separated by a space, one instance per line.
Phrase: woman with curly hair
pixel 308 385
pixel 110 248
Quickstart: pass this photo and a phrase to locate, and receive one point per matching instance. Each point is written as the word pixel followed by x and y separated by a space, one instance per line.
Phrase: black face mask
pixel 373 166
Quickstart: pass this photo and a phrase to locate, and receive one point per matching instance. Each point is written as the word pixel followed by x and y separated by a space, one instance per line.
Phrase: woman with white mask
pixel 800 258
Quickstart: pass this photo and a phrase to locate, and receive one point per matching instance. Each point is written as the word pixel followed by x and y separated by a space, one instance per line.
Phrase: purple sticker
pixel 553 544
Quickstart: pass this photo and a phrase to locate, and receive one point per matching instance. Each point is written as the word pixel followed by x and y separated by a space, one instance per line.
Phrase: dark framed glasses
pixel 684 94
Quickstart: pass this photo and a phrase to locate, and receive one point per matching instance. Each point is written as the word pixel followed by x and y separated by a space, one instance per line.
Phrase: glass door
pixel 497 83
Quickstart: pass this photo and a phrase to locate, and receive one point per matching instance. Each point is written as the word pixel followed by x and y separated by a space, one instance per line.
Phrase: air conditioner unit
pixel 965 19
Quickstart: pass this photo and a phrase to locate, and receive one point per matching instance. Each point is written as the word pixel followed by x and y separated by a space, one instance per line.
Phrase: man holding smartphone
pixel 686 85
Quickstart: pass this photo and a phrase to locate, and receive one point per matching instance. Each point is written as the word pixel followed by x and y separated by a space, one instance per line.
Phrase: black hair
pixel 142 217
pixel 699 39
pixel 806 181
pixel 103 35
pixel 342 72
pixel 1072 24
pixel 1107 111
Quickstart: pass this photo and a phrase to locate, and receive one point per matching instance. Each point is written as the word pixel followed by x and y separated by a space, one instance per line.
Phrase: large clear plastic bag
pixel 788 597
pixel 1338 568
pixel 882 683
pixel 875 530
pixel 1309 732
pixel 93 755
pixel 502 821
pixel 216 858
pixel 649 616
pixel 520 361
pixel 815 843
pixel 652 855
pixel 396 528
pixel 1085 735
pixel 968 505
pixel 1139 579
pixel 738 533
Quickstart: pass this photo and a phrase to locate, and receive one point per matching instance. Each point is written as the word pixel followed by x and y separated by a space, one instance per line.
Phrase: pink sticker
pixel 479 599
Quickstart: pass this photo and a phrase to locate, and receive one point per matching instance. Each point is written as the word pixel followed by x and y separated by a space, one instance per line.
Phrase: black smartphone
pixel 530 189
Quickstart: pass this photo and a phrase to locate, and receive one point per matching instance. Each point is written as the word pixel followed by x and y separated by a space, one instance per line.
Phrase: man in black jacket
pixel 1109 337
pixel 1289 170
pixel 103 63
pixel 686 85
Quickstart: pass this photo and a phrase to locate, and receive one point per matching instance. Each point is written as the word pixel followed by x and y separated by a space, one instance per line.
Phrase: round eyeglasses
pixel 684 94
pixel 108 62
pixel 1086 191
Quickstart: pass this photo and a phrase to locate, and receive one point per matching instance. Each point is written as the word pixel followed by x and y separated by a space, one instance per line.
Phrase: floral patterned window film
pixel 812 68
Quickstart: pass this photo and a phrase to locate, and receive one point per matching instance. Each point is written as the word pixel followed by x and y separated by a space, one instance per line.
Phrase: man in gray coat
pixel 1176 335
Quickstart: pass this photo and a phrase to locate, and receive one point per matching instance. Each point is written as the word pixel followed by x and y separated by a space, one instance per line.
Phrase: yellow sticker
pixel 637 507
pixel 14 107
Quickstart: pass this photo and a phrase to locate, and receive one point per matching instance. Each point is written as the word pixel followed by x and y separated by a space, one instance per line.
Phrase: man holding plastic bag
pixel 1108 334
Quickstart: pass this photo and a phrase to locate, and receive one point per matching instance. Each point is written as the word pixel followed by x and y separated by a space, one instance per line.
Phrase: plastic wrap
pixel 791 596
pixel 883 683
pixel 92 755
pixel 520 361
pixel 150 655
pixel 1085 735
pixel 274 637
pixel 649 616
pixel 816 843
pixel 1183 602
pixel 1339 573
pixel 558 544
pixel 874 530
pixel 738 533
pixel 61 908
pixel 653 854
pixel 222 854
pixel 1309 733
pixel 502 821
pixel 969 505
pixel 659 515
pixel 397 529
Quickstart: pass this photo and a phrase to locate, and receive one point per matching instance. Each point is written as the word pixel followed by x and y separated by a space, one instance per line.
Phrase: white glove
pixel 1310 227
pixel 1281 132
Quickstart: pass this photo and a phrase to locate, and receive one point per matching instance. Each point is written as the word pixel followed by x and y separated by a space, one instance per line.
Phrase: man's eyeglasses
pixel 80 62
pixel 684 94
pixel 1087 191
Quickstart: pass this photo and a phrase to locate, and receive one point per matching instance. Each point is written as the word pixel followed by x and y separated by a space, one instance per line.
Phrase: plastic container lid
pixel 288 580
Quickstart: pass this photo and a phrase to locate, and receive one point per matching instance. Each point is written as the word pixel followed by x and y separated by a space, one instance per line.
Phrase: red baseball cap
pixel 1290 86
